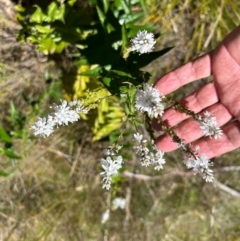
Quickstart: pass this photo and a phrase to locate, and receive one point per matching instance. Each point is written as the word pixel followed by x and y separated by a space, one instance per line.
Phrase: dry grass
pixel 54 191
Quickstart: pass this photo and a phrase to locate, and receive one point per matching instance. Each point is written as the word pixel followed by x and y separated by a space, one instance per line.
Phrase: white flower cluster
pixel 147 157
pixel 118 202
pixel 111 164
pixel 63 114
pixel 201 164
pixel 208 125
pixel 105 216
pixel 143 42
pixel 149 100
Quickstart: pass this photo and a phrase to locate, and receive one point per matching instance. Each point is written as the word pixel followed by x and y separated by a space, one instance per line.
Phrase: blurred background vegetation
pixel 50 188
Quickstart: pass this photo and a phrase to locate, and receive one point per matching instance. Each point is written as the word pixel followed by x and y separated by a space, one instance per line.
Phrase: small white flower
pixel 138 137
pixel 79 107
pixel 118 202
pixel 143 42
pixel 150 101
pixel 201 164
pixel 208 125
pixel 105 216
pixel 158 160
pixel 111 168
pixel 63 114
pixel 112 150
pixel 149 157
pixel 43 127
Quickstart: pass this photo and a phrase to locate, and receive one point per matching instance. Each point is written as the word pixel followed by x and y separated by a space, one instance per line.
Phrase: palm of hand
pixel 221 97
pixel 226 72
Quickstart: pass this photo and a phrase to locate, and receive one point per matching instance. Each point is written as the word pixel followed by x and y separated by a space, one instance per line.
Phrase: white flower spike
pixel 149 157
pixel 111 164
pixel 143 42
pixel 208 125
pixel 201 164
pixel 63 114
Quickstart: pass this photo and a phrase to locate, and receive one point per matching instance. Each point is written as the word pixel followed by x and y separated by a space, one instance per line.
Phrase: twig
pixel 228 169
pixel 153 178
pixel 227 189
pixel 59 153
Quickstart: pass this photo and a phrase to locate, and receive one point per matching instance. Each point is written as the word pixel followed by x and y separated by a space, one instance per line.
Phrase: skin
pixel 221 97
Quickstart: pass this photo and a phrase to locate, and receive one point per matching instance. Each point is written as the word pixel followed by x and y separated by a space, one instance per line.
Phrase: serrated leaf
pixel 4 135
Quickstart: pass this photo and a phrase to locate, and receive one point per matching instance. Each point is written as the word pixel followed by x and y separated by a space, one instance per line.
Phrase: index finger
pixel 189 72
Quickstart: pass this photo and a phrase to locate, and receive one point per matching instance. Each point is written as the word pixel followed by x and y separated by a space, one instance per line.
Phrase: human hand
pixel 221 97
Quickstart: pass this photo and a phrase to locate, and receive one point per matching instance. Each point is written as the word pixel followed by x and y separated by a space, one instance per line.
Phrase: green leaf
pixel 44 29
pixel 106 81
pixel 19 8
pixel 110 28
pixel 4 135
pixel 59 14
pixel 132 93
pixel 121 73
pixel 144 59
pixel 3 174
pixel 51 10
pixel 127 110
pixel 47 45
pixel 93 72
pixel 143 5
pixel 10 153
pixel 71 2
pixel 124 89
pixel 101 15
pixel 105 5
pixel 37 16
pixel 81 62
pixel 96 71
pixel 59 47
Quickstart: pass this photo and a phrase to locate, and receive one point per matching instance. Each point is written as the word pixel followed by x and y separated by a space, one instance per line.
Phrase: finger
pixel 228 142
pixel 190 131
pixel 196 69
pixel 198 101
